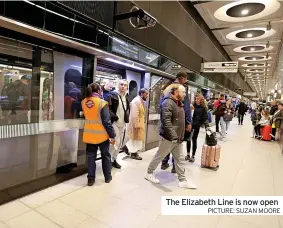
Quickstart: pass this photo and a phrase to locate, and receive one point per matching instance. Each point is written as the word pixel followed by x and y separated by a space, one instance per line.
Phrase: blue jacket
pixel 186 102
pixel 105 94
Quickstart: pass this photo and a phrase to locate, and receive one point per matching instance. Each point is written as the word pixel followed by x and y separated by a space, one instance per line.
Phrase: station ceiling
pixel 251 32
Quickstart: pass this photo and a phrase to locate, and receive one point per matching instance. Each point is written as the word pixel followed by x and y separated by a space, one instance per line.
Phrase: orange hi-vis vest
pixel 94 131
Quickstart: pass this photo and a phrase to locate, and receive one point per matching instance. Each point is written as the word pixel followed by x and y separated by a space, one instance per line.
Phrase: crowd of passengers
pixel 113 125
pixel 269 116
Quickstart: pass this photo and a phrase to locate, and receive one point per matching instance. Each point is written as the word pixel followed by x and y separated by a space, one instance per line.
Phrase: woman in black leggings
pixel 199 119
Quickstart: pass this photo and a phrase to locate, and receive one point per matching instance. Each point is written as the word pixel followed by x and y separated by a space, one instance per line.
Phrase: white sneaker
pixel 152 178
pixel 187 184
pixel 223 139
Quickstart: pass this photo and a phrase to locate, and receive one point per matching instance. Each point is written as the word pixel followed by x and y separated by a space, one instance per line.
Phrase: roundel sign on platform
pixel 89 103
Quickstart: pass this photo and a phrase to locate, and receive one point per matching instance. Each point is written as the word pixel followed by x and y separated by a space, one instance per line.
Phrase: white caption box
pixel 222 205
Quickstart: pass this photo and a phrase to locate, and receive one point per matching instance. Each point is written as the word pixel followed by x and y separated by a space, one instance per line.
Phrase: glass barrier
pixel 157 86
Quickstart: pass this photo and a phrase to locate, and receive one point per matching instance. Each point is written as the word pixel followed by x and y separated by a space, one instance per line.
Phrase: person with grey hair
pixel 136 129
pixel 106 88
pixel 119 108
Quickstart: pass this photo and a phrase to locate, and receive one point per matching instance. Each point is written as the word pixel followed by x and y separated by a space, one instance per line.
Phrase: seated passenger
pixel 264 121
pixel 255 119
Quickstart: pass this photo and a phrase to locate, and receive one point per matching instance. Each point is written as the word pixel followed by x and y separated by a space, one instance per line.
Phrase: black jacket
pixel 273 110
pixel 200 116
pixel 172 120
pixel 106 122
pixel 113 102
pixel 242 108
pixel 278 119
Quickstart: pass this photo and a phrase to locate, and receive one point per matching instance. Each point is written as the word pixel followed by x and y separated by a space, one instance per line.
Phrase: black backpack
pixel 210 138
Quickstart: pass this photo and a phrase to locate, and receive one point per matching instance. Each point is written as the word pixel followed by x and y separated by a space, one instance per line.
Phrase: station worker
pixel 98 132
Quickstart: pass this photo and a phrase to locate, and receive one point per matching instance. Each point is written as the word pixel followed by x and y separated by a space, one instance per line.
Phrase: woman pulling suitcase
pixel 199 119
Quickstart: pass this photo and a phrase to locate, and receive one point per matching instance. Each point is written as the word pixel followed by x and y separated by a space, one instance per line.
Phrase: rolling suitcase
pixel 210 157
pixel 265 133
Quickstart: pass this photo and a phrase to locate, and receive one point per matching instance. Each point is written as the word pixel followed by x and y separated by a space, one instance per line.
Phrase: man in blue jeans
pixel 181 79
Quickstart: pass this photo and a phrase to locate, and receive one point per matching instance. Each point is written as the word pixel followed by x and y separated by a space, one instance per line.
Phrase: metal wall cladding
pixel 174 17
pixel 159 39
pixel 190 38
pixel 101 11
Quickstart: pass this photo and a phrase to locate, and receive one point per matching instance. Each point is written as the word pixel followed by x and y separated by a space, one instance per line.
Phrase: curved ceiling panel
pixel 252 48
pixel 250 34
pixel 257 25
pixel 246 10
pixel 255 65
pixel 255 58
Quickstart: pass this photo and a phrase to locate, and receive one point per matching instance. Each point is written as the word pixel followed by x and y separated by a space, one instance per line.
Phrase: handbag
pixel 228 117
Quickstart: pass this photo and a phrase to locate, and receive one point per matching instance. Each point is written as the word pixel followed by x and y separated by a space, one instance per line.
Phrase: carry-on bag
pixel 266 133
pixel 210 138
pixel 210 157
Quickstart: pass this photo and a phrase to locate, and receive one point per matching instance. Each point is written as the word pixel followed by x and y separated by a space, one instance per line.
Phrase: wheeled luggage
pixel 266 133
pixel 210 157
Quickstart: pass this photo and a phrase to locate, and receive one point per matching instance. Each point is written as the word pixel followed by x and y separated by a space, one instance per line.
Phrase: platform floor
pixel 248 167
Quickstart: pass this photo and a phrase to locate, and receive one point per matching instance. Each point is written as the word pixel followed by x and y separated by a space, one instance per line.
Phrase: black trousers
pixel 273 133
pixel 241 118
pixel 217 121
pixel 91 150
pixel 194 140
pixel 257 129
pixel 166 160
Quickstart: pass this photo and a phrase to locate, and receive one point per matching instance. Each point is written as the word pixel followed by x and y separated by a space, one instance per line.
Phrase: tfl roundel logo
pixel 89 104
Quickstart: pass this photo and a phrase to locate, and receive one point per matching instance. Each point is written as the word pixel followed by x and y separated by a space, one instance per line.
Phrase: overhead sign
pixel 134 52
pixel 220 67
pixel 249 94
pixel 220 70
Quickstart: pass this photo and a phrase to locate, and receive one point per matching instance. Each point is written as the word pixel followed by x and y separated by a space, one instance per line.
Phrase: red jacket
pixel 216 104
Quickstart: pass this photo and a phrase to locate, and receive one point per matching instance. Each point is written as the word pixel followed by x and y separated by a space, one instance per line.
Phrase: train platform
pixel 248 167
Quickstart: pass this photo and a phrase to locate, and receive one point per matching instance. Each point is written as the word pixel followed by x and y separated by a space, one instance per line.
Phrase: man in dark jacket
pixel 181 80
pixel 273 110
pixel 242 109
pixel 119 112
pixel 172 131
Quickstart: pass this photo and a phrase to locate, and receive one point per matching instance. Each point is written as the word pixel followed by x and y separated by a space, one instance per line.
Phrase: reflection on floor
pixel 248 167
